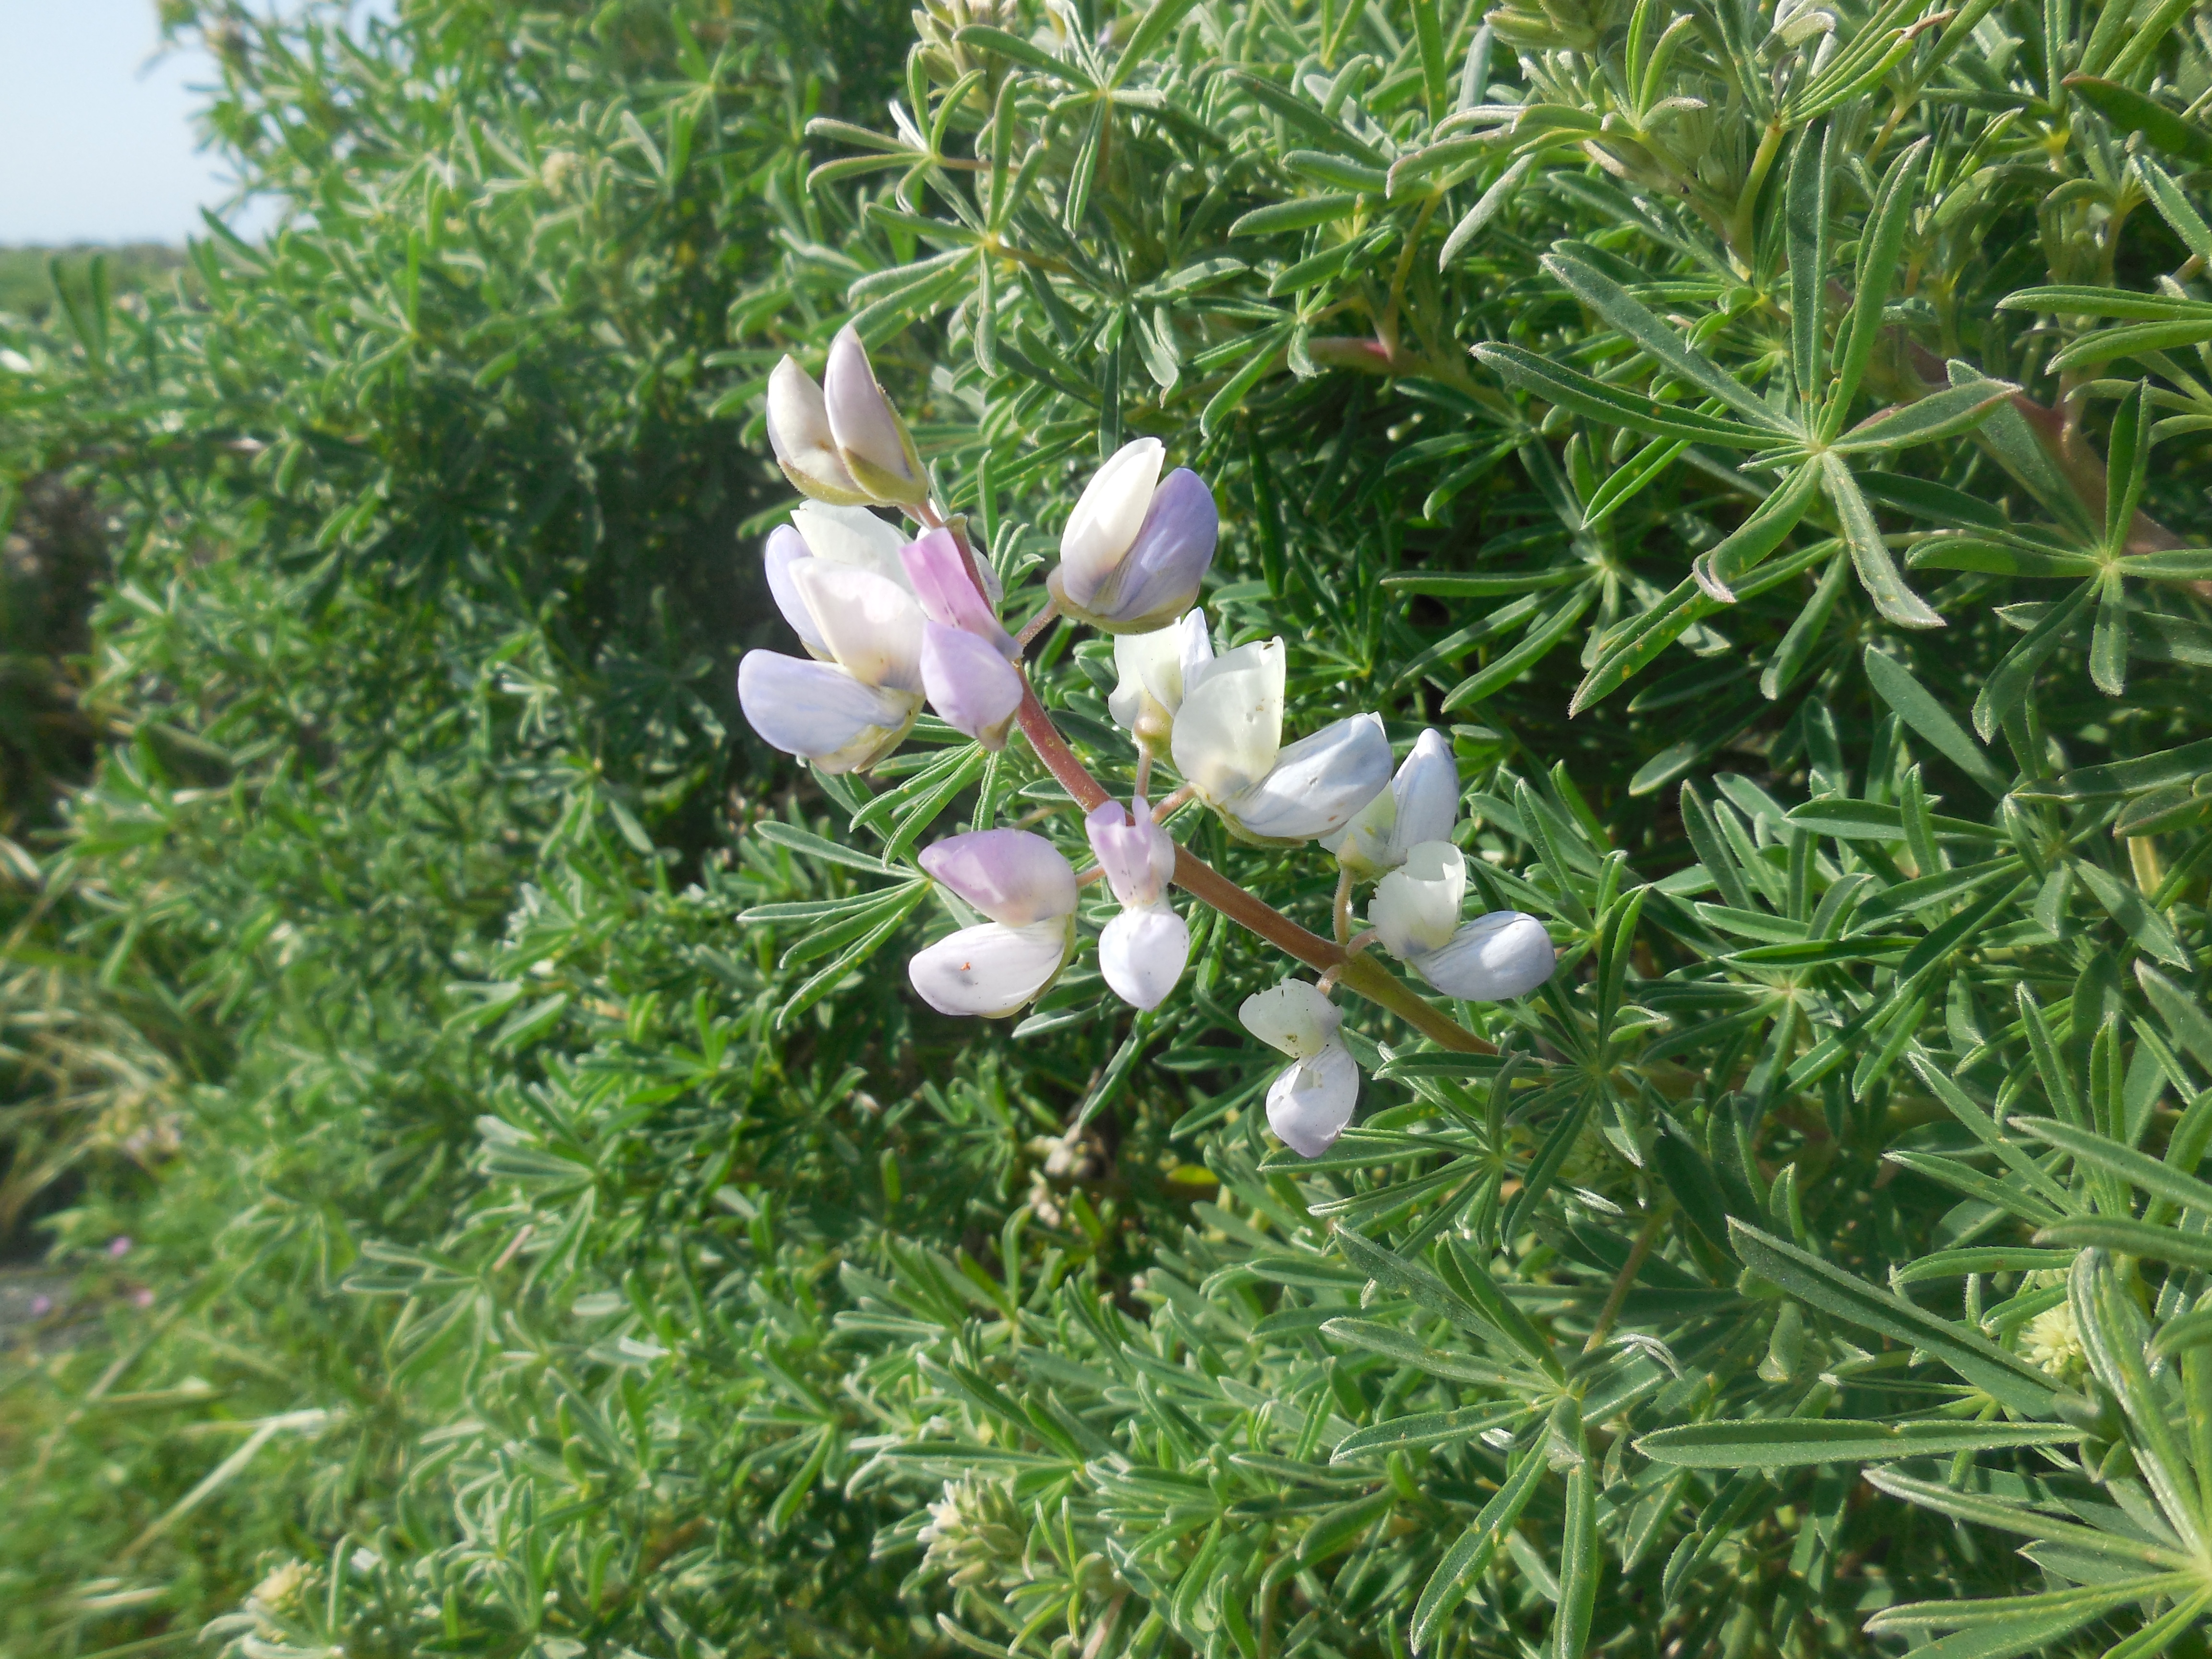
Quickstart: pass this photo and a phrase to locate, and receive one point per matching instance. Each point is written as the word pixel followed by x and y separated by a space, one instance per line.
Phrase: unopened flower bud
pixel 799 432
pixel 947 595
pixel 819 712
pixel 1420 804
pixel 1133 554
pixel 873 442
pixel 973 688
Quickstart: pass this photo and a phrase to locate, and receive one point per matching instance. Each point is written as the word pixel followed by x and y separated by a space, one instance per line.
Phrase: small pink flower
pixel 142 1297
pixel 41 1306
pixel 119 1246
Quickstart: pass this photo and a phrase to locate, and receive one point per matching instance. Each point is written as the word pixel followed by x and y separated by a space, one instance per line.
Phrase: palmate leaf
pixel 2010 1381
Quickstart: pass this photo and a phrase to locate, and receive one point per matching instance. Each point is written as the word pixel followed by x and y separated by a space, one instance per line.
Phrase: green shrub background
pixel 467 1235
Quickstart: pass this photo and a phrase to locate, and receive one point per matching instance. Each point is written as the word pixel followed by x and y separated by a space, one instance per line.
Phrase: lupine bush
pixel 1685 475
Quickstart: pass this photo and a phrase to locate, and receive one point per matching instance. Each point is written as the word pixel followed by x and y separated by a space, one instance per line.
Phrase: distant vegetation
pixel 27 285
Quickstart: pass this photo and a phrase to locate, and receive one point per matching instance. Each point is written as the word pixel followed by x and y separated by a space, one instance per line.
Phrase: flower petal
pixel 1293 1018
pixel 992 971
pixel 1493 959
pixel 1142 952
pixel 1309 1104
pixel 1317 785
pixel 787 548
pixel 852 536
pixel 817 710
pixel 1416 908
pixel 1108 517
pixel 971 686
pixel 1159 574
pixel 938 576
pixel 1229 730
pixel 1426 790
pixel 871 440
pixel 1137 855
pixel 1009 875
pixel 871 626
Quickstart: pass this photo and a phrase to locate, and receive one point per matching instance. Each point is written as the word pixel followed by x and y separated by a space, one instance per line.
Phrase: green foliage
pixel 1737 429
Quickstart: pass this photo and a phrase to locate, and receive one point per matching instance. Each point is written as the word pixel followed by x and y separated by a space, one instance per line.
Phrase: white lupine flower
pixel 1227 744
pixel 1143 951
pixel 1311 1103
pixel 1420 804
pixel 1415 916
pixel 1151 667
pixel 1020 881
pixel 817 711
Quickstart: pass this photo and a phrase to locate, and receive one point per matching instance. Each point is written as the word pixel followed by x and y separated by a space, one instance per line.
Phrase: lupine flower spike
pixel 888 620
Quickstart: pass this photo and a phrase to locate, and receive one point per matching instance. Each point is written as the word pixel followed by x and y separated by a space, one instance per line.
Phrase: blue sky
pixel 95 136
